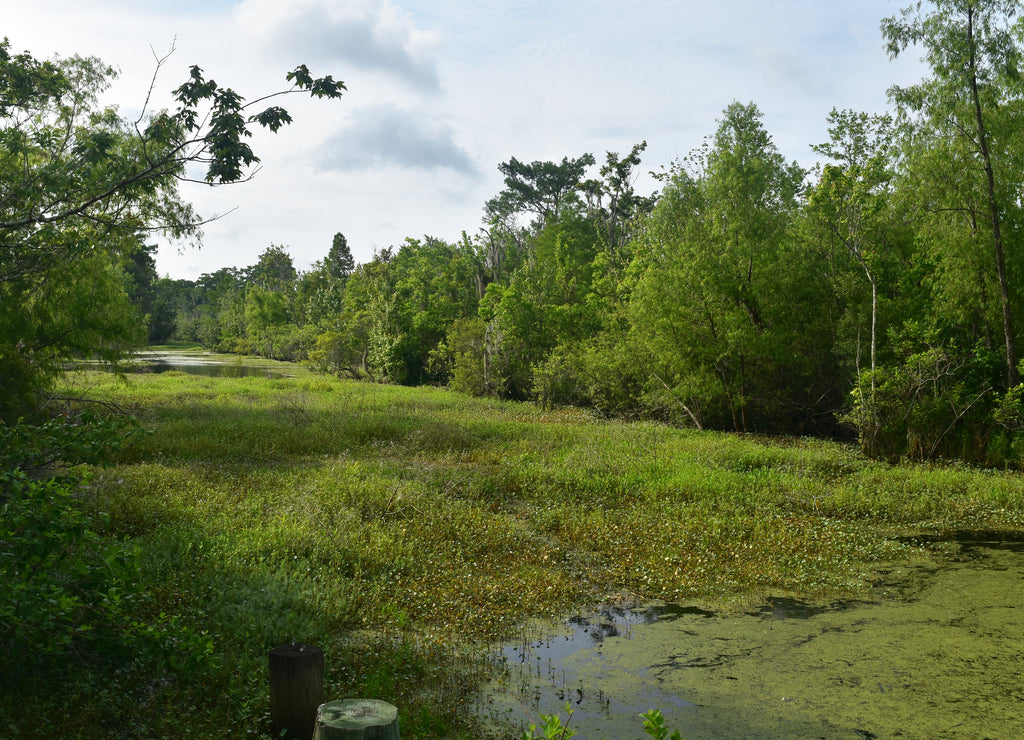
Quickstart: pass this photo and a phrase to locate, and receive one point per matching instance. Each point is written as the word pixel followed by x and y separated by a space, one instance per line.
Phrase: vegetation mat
pixel 409 531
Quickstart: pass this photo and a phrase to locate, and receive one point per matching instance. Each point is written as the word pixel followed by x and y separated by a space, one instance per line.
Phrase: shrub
pixel 63 587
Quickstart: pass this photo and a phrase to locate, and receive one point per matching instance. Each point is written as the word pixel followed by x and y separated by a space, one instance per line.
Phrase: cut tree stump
pixel 356 719
pixel 296 689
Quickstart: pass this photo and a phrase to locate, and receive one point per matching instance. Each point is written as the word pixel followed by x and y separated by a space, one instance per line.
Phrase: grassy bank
pixel 406 530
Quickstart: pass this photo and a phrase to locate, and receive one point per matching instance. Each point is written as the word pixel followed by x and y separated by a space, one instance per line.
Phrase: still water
pixel 936 651
pixel 206 364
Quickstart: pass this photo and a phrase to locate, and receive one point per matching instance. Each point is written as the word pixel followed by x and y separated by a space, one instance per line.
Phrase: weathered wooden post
pixel 356 719
pixel 296 689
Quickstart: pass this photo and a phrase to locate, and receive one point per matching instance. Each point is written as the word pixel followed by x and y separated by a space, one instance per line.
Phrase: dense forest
pixel 878 293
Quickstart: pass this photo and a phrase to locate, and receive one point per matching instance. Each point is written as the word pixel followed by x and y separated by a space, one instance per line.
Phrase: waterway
pixel 207 364
pixel 936 650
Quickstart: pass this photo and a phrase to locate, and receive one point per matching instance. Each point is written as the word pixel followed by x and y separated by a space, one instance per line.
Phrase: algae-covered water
pixel 936 652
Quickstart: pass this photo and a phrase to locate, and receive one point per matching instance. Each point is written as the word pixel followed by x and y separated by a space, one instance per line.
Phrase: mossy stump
pixel 356 719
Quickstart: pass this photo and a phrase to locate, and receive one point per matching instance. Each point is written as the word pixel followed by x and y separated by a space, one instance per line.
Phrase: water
pixel 937 651
pixel 205 364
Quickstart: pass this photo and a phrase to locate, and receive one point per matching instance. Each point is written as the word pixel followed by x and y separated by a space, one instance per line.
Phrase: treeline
pixel 748 294
pixel 877 294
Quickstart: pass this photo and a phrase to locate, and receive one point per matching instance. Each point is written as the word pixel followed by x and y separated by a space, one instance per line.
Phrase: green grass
pixel 406 530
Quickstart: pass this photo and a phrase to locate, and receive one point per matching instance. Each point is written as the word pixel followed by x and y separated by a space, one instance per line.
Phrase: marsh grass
pixel 406 531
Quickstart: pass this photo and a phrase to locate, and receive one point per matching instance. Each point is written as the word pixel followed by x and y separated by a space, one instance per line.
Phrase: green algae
pixel 937 651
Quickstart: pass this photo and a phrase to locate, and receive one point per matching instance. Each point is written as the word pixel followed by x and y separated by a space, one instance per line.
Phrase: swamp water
pixel 937 651
pixel 205 364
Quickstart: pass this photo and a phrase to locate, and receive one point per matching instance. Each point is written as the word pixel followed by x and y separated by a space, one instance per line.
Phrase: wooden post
pixel 296 689
pixel 356 719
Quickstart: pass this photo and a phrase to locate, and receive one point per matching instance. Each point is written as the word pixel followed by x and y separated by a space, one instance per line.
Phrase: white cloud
pixel 441 91
pixel 370 35
pixel 391 136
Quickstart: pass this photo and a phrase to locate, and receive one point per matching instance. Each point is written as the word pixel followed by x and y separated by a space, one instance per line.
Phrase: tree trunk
pixel 356 719
pixel 874 333
pixel 1004 286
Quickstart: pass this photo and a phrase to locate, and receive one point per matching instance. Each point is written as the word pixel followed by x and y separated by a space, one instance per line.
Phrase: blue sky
pixel 441 91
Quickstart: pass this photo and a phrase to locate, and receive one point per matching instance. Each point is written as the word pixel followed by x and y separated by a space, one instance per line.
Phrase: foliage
pixel 464 356
pixel 961 122
pixel 740 347
pixel 539 188
pixel 932 402
pixel 654 725
pixel 65 590
pixel 79 185
pixel 551 727
pixel 396 527
pixel 339 262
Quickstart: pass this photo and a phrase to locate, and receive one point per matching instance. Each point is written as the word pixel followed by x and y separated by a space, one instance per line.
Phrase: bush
pixel 934 402
pixel 462 357
pixel 336 354
pixel 63 587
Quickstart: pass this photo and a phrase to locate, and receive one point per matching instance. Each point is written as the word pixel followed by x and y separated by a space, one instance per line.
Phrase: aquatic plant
pixel 407 531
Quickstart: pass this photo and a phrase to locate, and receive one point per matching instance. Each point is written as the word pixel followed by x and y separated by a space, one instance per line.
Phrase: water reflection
pixel 936 654
pixel 207 365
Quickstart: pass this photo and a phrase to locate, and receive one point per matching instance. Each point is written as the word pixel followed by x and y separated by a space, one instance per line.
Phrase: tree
pixel 78 184
pixel 170 299
pixel 339 263
pixel 265 312
pixel 727 303
pixel 972 49
pixel 624 208
pixel 274 271
pixel 850 196
pixel 540 188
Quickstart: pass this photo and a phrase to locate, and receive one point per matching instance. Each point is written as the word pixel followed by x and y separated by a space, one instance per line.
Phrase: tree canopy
pixel 82 188
pixel 876 294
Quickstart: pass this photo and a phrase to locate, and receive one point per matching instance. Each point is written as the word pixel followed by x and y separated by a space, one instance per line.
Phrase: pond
pixel 936 651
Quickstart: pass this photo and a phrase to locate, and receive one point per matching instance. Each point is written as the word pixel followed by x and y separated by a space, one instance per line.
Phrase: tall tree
pixel 540 188
pixel 849 199
pixel 274 271
pixel 613 202
pixel 340 263
pixel 726 301
pixel 973 50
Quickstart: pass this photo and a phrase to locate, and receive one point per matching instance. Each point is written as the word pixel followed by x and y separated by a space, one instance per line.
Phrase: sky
pixel 439 92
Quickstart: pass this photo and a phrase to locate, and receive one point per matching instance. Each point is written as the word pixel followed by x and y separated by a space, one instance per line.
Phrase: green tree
pixel 172 298
pixel 362 344
pixel 538 188
pixel 339 263
pixel 850 197
pixel 266 313
pixel 546 302
pixel 405 302
pixel 972 47
pixel 728 302
pixel 274 271
pixel 78 184
pixel 614 204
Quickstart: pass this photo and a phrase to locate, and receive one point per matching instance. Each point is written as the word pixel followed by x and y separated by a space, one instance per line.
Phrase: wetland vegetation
pixel 596 369
pixel 409 531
